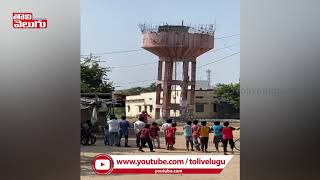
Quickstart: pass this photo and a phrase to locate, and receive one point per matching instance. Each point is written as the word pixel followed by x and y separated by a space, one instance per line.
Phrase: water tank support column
pixel 158 90
pixel 184 92
pixel 166 101
pixel 193 87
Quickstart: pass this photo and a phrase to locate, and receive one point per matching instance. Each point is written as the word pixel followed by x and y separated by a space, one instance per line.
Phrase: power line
pixel 144 64
pixel 136 81
pixel 136 50
pixel 129 66
pixel 215 50
pixel 226 57
pixel 115 52
pixel 226 47
pixel 224 37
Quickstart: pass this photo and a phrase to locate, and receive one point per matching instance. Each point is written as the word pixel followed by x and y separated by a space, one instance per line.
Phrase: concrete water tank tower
pixel 176 43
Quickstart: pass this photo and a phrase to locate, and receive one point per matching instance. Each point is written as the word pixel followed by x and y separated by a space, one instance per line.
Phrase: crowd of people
pixel 196 135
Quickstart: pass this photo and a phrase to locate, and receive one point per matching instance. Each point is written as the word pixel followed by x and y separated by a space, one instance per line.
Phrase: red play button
pixel 102 164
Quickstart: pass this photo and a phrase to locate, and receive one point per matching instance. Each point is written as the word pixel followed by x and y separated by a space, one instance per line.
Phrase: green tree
pixel 138 90
pixel 150 88
pixel 93 76
pixel 229 93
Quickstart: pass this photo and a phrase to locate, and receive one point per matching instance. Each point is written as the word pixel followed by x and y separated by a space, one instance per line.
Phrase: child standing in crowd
pixel 170 136
pixel 165 126
pixel 195 134
pixel 217 132
pixel 106 134
pixel 124 131
pixel 145 138
pixel 138 126
pixel 145 116
pixel 187 132
pixel 204 136
pixel 154 134
pixel 227 136
pixel 113 131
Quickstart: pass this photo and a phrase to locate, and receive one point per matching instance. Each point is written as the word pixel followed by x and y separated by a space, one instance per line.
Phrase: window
pixel 214 107
pixel 128 108
pixel 145 108
pixel 151 108
pixel 199 107
pixel 139 108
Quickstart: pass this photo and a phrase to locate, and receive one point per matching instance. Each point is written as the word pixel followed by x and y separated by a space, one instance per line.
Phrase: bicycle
pixel 237 143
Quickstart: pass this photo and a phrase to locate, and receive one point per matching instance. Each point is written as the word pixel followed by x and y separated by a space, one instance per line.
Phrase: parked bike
pixel 237 143
pixel 87 138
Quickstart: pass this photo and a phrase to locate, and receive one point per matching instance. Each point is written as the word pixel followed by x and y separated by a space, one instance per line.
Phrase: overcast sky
pixel 110 26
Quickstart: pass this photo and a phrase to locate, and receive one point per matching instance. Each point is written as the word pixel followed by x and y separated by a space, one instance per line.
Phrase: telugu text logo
pixel 26 20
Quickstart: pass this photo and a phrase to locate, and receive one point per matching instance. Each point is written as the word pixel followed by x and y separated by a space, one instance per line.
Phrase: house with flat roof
pixel 204 107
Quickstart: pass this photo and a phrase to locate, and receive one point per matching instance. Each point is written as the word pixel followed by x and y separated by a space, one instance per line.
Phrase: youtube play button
pixel 102 164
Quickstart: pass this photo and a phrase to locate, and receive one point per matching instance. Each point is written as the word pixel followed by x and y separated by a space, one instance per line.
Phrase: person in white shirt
pixel 137 126
pixel 165 126
pixel 113 131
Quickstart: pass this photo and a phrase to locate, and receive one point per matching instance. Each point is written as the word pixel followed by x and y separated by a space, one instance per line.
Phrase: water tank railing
pixel 162 27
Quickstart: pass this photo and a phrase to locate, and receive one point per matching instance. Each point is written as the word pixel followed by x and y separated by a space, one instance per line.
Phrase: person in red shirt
pixel 170 136
pixel 145 138
pixel 195 134
pixel 227 136
pixel 145 116
pixel 154 134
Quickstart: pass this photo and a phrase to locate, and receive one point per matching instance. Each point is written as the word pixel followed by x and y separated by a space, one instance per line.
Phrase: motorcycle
pixel 87 138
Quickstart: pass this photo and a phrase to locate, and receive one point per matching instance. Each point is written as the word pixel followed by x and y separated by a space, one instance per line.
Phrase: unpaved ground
pixel 231 172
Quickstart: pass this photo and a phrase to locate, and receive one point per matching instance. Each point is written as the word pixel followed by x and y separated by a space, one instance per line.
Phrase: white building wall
pixel 148 100
pixel 139 103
